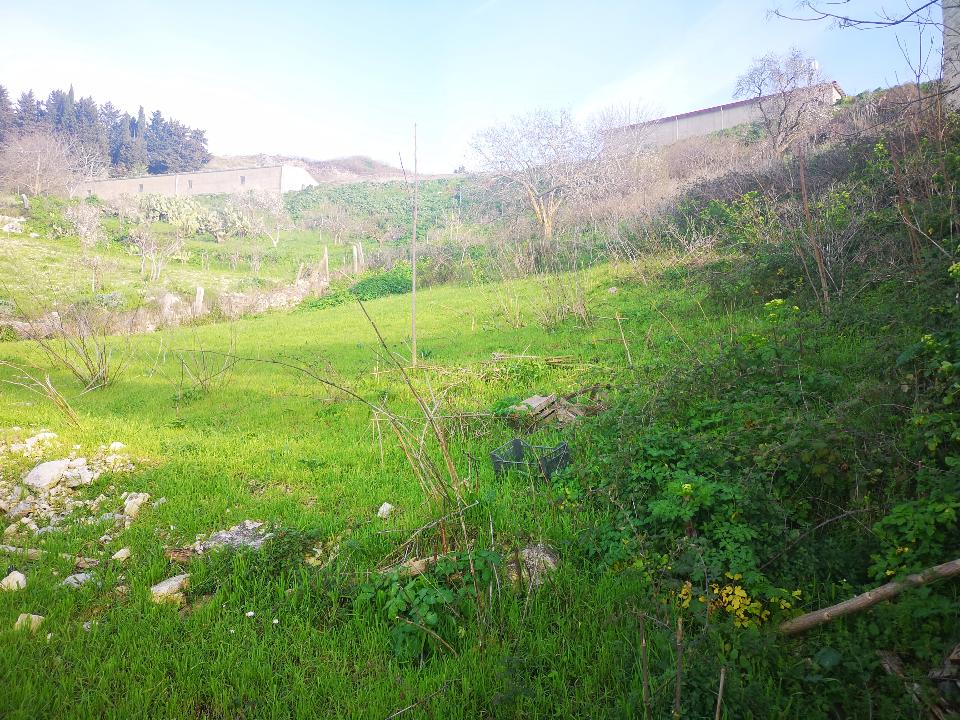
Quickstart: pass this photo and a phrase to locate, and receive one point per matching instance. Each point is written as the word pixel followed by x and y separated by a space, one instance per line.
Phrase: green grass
pixel 41 272
pixel 271 444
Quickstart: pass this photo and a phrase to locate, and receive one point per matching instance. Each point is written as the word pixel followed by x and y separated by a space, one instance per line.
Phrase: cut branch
pixel 870 598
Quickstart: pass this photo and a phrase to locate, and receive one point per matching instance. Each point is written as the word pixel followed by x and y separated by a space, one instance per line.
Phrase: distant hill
pixel 355 168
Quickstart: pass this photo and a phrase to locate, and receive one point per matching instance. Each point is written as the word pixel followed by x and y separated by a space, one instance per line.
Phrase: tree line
pixel 106 140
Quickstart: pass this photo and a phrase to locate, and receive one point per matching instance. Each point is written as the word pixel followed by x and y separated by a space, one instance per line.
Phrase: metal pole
pixel 413 255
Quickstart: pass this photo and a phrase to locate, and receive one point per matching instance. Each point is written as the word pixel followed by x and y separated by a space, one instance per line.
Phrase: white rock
pixel 45 476
pixel 384 512
pixel 171 589
pixel 121 555
pixel 78 462
pixel 28 622
pixel 77 579
pixel 131 506
pixel 250 613
pixel 116 445
pixel 14 581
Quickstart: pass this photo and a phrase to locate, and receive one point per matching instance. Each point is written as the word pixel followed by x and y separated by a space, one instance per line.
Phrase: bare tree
pixel 154 249
pixel 791 96
pixel 817 10
pixel 38 163
pixel 86 220
pixel 545 157
pixel 266 214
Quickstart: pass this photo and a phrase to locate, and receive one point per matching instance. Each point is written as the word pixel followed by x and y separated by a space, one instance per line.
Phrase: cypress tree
pixel 6 116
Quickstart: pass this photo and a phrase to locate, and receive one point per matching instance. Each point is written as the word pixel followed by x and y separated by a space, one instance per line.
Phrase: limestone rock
pixel 77 579
pixel 171 589
pixel 384 512
pixel 14 581
pixel 121 555
pixel 131 508
pixel 47 475
pixel 116 445
pixel 249 533
pixel 28 622
pixel 536 562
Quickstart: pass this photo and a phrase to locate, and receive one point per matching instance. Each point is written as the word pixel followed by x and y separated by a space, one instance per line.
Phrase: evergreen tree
pixel 6 116
pixel 28 114
pixel 138 157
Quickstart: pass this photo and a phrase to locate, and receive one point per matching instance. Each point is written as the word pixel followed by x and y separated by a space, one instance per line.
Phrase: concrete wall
pixel 293 178
pixel 710 120
pixel 951 50
pixel 276 178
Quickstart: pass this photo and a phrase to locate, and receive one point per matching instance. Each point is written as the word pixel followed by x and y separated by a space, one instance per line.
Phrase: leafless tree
pixel 266 214
pixel 545 157
pixel 154 249
pixel 791 95
pixel 38 163
pixel 831 11
pixel 86 220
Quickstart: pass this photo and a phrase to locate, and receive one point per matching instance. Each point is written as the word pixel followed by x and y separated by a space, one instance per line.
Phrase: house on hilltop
pixel 273 178
pixel 668 130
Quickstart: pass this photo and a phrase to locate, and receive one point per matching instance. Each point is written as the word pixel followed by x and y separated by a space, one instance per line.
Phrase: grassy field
pixel 40 272
pixel 271 444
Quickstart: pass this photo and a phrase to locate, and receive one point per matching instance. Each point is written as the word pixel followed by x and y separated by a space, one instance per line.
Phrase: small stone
pixel 88 625
pixel 46 476
pixel 121 555
pixel 612 290
pixel 131 507
pixel 250 613
pixel 116 445
pixel 14 581
pixel 171 589
pixel 77 579
pixel 158 502
pixel 536 561
pixel 275 621
pixel 28 622
pixel 384 512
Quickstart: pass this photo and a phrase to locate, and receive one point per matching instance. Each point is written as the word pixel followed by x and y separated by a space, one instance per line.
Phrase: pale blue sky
pixel 326 79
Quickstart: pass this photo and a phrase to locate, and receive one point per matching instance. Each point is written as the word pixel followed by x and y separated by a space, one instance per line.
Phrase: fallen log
pixel 870 598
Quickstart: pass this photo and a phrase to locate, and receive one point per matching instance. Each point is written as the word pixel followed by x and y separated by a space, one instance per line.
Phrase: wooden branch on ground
pixel 870 598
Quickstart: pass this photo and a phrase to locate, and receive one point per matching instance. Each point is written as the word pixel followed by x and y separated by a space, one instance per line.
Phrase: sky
pixel 324 79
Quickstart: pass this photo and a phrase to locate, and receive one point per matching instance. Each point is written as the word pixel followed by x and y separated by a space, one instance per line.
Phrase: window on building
pixel 141 187
pixel 243 179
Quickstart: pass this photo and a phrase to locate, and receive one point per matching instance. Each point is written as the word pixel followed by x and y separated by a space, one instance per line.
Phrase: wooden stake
pixel 723 677
pixel 679 682
pixel 645 670
pixel 413 255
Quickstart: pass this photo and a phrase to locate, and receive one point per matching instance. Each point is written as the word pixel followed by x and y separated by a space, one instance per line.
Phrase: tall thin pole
pixel 413 255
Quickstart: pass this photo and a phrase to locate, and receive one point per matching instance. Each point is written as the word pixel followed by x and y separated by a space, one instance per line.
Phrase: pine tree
pixel 28 114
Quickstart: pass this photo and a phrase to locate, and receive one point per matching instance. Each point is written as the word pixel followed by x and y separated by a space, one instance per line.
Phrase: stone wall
pixel 275 178
pixel 668 130
pixel 951 50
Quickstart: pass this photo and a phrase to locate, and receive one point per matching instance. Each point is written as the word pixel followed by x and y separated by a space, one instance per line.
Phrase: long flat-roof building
pixel 272 178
